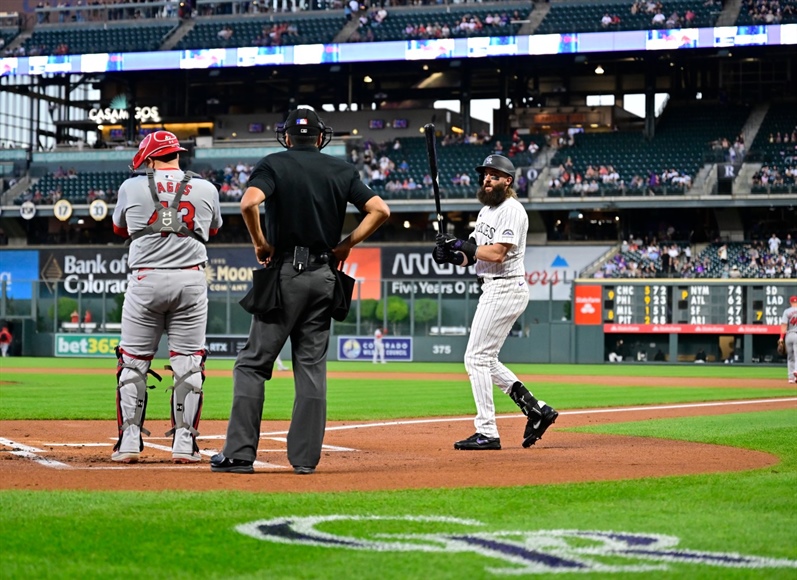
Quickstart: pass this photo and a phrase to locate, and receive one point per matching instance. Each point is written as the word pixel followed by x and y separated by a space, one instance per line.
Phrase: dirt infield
pixel 410 454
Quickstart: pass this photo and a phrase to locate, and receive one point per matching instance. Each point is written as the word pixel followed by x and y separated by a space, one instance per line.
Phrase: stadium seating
pixel 586 17
pixel 682 142
pixel 767 12
pixel 393 27
pixel 246 31
pixel 95 38
pixel 76 189
pixel 453 160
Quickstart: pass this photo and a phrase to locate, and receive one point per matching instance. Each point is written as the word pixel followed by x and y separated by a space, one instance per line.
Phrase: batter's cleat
pixel 794 374
pixel 186 457
pixel 792 381
pixel 303 470
pixel 537 423
pixel 221 464
pixel 125 456
pixel 477 441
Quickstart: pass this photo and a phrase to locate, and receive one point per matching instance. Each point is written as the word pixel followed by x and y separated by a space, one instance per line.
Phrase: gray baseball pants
pixel 305 318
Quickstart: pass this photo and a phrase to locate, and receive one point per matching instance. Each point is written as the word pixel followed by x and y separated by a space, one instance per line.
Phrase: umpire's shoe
pixel 540 418
pixel 222 464
pixel 477 441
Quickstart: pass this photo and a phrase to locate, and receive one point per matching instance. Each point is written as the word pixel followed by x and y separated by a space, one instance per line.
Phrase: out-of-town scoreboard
pixel 684 306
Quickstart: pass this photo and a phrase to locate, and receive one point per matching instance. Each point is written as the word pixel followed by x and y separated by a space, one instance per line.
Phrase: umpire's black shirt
pixel 308 191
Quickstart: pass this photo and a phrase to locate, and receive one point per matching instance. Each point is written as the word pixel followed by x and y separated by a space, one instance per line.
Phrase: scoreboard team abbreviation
pixel 682 306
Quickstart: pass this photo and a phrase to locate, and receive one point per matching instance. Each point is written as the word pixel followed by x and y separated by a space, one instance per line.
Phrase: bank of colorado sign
pixel 85 271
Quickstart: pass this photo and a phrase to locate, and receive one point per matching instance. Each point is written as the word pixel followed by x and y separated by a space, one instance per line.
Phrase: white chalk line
pixel 31 452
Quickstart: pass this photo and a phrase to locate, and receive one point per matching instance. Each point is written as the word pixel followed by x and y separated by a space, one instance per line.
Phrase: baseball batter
pixel 167 292
pixel 788 334
pixel 497 248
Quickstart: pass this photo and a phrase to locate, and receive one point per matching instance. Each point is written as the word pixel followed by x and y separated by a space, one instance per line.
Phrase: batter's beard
pixel 495 197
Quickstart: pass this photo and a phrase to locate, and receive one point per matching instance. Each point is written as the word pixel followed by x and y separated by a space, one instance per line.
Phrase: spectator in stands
pixel 774 244
pixel 225 33
pixel 788 245
pixel 606 20
pixel 658 19
pixel 735 273
pixel 464 179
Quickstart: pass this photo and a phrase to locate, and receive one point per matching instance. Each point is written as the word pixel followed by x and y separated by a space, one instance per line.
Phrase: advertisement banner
pixel 224 346
pixel 550 271
pixel 86 345
pixel 19 269
pixel 230 269
pixel 397 348
pixel 88 271
pixel 588 304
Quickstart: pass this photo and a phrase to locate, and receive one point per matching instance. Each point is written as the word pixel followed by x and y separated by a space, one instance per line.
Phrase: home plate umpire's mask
pixel 304 121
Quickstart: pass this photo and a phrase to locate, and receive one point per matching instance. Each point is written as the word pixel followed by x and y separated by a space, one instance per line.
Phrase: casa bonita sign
pixel 509 552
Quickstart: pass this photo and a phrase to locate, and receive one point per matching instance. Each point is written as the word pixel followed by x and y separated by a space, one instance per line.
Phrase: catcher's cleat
pixel 538 422
pixel 221 464
pixel 125 456
pixel 477 441
pixel 186 457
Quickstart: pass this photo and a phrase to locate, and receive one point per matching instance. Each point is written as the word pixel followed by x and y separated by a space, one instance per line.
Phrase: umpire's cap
pixel 303 121
pixel 154 145
pixel 499 163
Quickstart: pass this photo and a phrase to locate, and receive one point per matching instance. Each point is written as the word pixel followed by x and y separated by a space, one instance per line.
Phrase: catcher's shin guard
pixel 131 400
pixel 186 401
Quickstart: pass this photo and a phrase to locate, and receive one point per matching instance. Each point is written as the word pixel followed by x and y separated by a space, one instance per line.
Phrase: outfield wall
pixel 401 290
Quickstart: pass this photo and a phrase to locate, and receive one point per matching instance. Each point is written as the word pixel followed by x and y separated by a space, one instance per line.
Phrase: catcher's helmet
pixel 499 163
pixel 303 121
pixel 154 145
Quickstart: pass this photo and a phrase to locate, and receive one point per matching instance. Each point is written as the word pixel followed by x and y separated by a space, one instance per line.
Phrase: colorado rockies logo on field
pixel 512 552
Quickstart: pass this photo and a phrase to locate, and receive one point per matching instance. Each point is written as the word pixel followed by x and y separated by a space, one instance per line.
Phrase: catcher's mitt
pixel 781 347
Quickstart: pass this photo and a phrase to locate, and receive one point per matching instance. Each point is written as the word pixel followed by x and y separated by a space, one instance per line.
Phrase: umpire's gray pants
pixel 306 300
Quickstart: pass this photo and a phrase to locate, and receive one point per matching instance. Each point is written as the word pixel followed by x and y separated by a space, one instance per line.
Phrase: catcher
pixel 787 343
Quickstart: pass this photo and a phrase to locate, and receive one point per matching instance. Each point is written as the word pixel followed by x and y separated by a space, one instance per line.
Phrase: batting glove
pixel 454 245
pixel 440 255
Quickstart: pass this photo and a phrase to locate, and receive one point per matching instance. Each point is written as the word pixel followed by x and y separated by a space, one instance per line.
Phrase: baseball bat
pixel 431 150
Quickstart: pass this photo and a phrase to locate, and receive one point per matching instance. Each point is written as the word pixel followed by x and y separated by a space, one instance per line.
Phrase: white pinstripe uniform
pixel 789 318
pixel 504 298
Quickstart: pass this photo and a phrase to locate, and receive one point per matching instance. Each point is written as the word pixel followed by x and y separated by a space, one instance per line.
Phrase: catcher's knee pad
pixel 131 399
pixel 187 396
pixel 523 398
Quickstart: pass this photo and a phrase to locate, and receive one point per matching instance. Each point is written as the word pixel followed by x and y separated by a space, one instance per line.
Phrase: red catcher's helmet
pixel 154 145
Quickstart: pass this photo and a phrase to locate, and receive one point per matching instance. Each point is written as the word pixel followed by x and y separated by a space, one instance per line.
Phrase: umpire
pixel 307 193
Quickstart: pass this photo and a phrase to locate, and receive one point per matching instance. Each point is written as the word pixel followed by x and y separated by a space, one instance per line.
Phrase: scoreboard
pixel 689 306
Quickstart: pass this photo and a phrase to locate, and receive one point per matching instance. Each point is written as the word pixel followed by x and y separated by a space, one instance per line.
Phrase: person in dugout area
pixel 306 193
pixel 168 215
pixel 497 248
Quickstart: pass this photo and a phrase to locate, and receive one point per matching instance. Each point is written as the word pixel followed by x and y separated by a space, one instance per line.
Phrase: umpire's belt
pixel 316 259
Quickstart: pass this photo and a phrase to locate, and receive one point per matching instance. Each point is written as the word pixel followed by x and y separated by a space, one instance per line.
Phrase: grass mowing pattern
pixel 190 535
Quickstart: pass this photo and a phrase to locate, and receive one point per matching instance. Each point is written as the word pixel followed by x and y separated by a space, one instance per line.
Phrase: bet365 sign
pixel 81 345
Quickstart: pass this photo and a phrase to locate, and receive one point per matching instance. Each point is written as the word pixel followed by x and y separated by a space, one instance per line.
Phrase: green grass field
pixel 739 525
